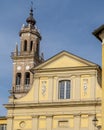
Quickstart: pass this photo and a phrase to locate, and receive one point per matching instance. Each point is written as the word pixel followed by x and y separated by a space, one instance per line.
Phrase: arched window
pixel 37 49
pixel 31 45
pixel 27 79
pixel 64 89
pixel 18 80
pixel 25 45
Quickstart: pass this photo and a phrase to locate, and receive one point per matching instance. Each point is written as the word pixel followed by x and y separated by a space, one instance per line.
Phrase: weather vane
pixel 32 4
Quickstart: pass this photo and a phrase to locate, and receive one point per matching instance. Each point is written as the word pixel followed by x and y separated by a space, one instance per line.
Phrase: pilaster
pixel 55 89
pixel 36 90
pixel 50 93
pixel 77 88
pixel 91 126
pixel 10 123
pixel 49 122
pixel 93 88
pixel 35 122
pixel 77 122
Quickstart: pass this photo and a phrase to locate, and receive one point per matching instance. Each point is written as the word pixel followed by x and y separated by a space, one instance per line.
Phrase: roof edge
pixel 98 31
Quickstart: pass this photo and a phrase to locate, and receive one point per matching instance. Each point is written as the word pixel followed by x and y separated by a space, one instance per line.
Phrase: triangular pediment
pixel 64 59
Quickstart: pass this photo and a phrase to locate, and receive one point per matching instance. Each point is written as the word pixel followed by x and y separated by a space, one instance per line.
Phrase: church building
pixel 61 93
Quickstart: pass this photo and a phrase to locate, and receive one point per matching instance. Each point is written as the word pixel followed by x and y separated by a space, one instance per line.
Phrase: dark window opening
pixel 27 79
pixel 18 81
pixel 18 78
pixel 31 45
pixel 25 45
pixel 37 50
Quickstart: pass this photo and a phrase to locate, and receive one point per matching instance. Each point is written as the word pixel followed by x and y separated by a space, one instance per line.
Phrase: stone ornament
pixel 18 67
pixel 22 124
pixel 27 67
pixel 44 88
pixel 85 86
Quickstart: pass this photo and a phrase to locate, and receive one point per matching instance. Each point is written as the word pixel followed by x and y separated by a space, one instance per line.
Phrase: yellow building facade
pixel 62 93
pixel 66 94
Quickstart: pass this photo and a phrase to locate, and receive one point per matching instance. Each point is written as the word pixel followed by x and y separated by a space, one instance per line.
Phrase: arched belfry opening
pixel 25 45
pixel 31 45
pixel 27 80
pixel 18 81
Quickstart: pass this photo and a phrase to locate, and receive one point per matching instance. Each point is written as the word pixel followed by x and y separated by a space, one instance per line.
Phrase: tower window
pixel 64 89
pixel 37 50
pixel 18 78
pixel 18 81
pixel 25 45
pixel 27 79
pixel 31 45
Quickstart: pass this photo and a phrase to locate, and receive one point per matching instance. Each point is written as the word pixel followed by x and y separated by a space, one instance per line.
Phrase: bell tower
pixel 26 58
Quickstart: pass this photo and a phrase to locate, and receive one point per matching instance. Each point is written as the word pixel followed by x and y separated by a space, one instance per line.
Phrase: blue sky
pixel 63 24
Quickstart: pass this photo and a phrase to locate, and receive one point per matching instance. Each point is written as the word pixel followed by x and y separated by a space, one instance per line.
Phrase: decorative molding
pixel 44 88
pixel 85 86
pixel 70 103
pixel 35 116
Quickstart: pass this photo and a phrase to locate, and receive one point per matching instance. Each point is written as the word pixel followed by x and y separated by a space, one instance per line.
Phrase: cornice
pixel 78 68
pixel 54 104
pixel 23 57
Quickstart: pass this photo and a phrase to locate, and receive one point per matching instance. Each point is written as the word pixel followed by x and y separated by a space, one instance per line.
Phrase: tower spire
pixel 30 20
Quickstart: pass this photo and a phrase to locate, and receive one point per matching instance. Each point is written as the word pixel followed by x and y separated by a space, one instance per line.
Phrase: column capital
pixel 49 115
pixel 35 116
pixel 77 115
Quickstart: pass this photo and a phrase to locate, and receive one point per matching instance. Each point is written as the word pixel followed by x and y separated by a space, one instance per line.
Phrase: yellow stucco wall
pixel 42 122
pixel 84 121
pixel 61 62
pixel 43 102
pixel 3 121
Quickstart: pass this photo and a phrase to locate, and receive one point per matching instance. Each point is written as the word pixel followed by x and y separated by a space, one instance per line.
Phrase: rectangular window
pixel 63 124
pixel 64 89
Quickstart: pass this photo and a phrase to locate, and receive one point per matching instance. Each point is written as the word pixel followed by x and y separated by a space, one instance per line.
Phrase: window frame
pixel 63 89
pixel 65 122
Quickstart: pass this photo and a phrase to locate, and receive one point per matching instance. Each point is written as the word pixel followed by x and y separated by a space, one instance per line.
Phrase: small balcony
pixel 18 89
pixel 17 54
pixel 13 54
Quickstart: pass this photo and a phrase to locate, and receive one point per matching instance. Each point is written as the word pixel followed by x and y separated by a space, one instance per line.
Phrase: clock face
pixel 27 67
pixel 28 34
pixel 18 67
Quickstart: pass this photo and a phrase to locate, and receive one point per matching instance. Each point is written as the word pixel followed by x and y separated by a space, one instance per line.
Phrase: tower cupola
pixel 30 20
